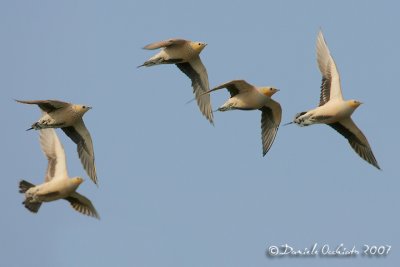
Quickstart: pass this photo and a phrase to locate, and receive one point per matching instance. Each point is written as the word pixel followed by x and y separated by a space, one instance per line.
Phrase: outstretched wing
pixel 82 204
pixel 165 43
pixel 235 87
pixel 46 105
pixel 54 151
pixel 330 87
pixel 357 140
pixel 270 120
pixel 81 136
pixel 197 73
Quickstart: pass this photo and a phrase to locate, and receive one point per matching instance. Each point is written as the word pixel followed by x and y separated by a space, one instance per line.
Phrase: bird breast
pixel 65 116
pixel 335 109
pixel 250 100
pixel 53 190
pixel 184 52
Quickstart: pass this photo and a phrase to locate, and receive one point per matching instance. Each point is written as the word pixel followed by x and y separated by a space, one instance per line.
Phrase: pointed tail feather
pixel 288 123
pixel 35 126
pixel 152 62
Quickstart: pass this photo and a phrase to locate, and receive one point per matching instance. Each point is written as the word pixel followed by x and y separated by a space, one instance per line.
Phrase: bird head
pixel 198 46
pixel 268 91
pixel 77 181
pixel 354 103
pixel 81 109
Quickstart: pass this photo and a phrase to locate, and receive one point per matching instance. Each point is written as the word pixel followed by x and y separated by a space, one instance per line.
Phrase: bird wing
pixel 270 119
pixel 81 136
pixel 330 87
pixel 234 87
pixel 82 204
pixel 46 105
pixel 197 73
pixel 164 43
pixel 54 151
pixel 356 138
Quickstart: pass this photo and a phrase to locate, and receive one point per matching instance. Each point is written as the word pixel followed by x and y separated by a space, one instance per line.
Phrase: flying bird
pixel 57 183
pixel 185 55
pixel 245 96
pixel 333 110
pixel 68 117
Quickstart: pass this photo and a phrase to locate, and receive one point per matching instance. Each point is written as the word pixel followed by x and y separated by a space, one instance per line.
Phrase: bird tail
pixel 35 126
pixel 24 186
pixel 160 60
pixel 31 206
pixel 295 120
pixel 299 114
pixel 152 62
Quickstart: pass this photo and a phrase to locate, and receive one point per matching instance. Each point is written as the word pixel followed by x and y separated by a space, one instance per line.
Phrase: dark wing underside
pixel 356 139
pixel 46 105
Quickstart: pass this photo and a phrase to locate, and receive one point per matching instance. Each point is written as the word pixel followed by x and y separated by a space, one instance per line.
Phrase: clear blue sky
pixel 175 191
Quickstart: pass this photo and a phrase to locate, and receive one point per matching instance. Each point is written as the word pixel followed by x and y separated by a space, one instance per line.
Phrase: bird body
pixel 57 183
pixel 181 52
pixel 333 110
pixel 56 114
pixel 58 118
pixel 53 190
pixel 250 100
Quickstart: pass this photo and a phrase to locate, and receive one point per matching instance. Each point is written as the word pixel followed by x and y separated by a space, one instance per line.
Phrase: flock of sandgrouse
pixel 333 110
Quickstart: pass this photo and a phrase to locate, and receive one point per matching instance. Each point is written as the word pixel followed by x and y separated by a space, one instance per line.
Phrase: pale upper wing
pixel 54 151
pixel 46 105
pixel 82 205
pixel 165 43
pixel 270 120
pixel 330 87
pixel 357 139
pixel 197 73
pixel 235 87
pixel 81 136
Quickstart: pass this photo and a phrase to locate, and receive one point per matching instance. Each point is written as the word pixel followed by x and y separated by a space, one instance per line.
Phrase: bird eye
pixel 83 106
pixel 199 43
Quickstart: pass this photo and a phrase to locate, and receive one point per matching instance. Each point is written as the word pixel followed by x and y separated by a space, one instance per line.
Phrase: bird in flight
pixel 185 55
pixel 333 110
pixel 245 96
pixel 57 183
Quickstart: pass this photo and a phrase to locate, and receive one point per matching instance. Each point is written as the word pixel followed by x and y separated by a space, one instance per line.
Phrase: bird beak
pixel 90 107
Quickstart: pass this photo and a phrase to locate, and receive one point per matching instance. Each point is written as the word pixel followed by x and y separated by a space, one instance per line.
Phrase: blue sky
pixel 175 191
